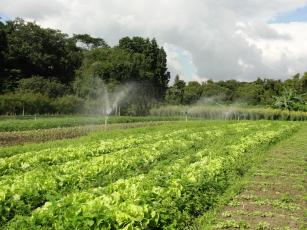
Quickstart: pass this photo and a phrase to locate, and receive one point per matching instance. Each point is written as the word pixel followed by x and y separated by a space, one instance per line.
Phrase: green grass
pixel 47 122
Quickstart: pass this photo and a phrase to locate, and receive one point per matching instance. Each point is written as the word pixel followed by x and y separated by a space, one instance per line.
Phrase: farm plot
pixel 273 195
pixel 9 124
pixel 160 179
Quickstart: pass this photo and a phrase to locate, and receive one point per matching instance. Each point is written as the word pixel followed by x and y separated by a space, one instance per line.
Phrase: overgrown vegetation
pixel 228 112
pixel 289 94
pixel 44 71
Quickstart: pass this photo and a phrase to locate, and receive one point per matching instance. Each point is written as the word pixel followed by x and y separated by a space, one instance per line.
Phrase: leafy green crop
pixel 149 180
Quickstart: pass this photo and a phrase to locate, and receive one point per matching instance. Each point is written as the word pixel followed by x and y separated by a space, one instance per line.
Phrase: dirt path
pixel 275 196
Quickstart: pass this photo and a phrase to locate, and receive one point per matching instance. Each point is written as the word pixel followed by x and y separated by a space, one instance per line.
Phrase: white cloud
pixel 285 55
pixel 225 39
pixel 33 9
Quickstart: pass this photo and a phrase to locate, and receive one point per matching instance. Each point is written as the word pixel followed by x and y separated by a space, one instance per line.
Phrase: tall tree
pixel 215 91
pixel 192 92
pixel 136 60
pixel 33 50
pixel 3 47
pixel 88 42
pixel 304 83
pixel 103 64
pixel 153 61
pixel 175 93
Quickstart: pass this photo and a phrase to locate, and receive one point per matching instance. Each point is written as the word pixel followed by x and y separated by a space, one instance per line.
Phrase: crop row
pixel 35 186
pixel 43 135
pixel 29 160
pixel 167 196
pixel 182 157
pixel 45 122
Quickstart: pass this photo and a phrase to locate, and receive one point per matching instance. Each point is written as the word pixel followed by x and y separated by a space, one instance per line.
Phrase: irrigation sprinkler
pixel 105 121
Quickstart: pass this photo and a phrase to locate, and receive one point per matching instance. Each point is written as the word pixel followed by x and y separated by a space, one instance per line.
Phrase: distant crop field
pixel 145 178
pixel 21 123
pixel 229 112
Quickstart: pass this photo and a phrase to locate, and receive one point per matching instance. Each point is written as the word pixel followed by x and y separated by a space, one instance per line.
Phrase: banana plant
pixel 289 100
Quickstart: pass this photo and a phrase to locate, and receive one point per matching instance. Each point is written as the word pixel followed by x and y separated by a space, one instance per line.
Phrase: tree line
pixel 43 70
pixel 46 71
pixel 289 94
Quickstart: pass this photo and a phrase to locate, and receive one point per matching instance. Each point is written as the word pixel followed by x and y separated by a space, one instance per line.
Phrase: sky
pixel 204 39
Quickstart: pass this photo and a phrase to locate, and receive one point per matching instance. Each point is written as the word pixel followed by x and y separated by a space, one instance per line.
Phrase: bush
pixel 68 104
pixel 36 103
pixel 37 84
pixel 25 103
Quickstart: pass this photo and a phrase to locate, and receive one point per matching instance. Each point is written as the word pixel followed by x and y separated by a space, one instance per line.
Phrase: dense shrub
pixel 25 103
pixel 36 103
pixel 38 84
pixel 68 104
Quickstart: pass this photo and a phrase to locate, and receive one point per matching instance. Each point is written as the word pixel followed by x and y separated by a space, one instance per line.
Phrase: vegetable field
pixel 160 177
pixel 20 123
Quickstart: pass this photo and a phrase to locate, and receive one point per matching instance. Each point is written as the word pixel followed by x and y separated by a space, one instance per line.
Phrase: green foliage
pixel 192 92
pixel 37 84
pixel 290 100
pixel 33 50
pixel 102 65
pixel 46 61
pixel 259 92
pixel 213 90
pixel 88 42
pixel 3 47
pixel 135 60
pixel 228 112
pixel 68 104
pixel 263 225
pixel 24 103
pixel 22 123
pixel 175 93
pixel 162 178
pixel 152 59
pixel 248 93
pixel 232 224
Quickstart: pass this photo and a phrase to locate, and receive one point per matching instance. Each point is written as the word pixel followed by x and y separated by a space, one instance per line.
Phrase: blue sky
pixel 4 17
pixel 188 70
pixel 297 15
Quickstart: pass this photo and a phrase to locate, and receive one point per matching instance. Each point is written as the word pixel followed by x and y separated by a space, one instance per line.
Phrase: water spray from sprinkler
pixel 110 100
